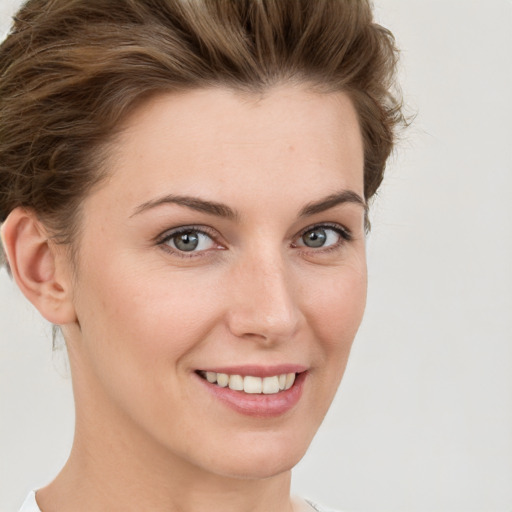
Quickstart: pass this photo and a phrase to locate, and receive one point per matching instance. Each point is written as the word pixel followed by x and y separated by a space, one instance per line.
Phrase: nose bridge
pixel 265 304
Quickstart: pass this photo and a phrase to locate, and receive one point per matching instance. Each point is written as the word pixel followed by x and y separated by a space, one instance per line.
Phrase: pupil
pixel 186 241
pixel 315 238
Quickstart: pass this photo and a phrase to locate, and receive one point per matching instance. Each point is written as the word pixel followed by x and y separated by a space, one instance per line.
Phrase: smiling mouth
pixel 250 384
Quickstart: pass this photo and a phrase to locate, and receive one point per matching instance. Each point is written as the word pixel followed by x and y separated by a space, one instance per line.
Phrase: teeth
pixel 222 380
pixel 236 382
pixel 290 379
pixel 253 385
pixel 250 384
pixel 270 385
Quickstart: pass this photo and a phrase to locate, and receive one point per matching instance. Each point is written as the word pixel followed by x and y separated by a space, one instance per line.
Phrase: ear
pixel 38 266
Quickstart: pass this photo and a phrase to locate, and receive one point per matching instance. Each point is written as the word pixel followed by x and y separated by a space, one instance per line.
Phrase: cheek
pixel 335 311
pixel 136 335
pixel 157 318
pixel 334 306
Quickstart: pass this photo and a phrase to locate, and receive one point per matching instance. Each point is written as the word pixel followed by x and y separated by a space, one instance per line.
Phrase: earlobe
pixel 36 266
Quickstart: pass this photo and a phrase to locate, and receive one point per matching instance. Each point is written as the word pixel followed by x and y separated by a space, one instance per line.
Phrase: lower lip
pixel 260 405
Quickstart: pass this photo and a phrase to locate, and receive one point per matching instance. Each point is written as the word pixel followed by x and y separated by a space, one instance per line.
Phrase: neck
pixel 119 469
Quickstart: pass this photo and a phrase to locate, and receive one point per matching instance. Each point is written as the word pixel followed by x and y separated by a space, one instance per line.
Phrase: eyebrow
pixel 222 210
pixel 195 203
pixel 345 196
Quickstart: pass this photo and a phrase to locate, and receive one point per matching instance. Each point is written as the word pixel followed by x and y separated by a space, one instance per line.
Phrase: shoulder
pixel 30 504
pixel 319 508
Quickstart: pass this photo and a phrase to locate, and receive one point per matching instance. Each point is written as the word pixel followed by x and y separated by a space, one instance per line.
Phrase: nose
pixel 264 302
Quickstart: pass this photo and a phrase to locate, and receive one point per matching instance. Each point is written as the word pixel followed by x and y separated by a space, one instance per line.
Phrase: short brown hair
pixel 71 70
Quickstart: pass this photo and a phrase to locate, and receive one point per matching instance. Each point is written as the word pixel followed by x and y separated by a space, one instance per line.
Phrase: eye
pixel 323 236
pixel 188 240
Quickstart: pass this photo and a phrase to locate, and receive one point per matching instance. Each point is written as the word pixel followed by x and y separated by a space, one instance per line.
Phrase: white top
pixel 30 505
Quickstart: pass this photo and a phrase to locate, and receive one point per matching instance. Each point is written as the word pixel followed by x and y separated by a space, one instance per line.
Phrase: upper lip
pixel 256 370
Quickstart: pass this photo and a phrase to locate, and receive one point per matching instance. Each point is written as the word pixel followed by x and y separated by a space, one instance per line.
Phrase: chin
pixel 264 458
pixel 247 469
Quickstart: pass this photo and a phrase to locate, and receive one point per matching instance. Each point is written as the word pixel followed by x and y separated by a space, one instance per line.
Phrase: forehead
pixel 222 142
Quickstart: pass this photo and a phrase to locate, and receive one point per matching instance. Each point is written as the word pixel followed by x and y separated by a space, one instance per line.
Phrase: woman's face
pixel 226 247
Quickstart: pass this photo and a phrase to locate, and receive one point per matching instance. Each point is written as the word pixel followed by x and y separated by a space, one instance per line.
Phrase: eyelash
pixel 169 235
pixel 344 234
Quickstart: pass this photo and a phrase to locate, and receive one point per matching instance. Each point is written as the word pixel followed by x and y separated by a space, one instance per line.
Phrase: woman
pixel 184 190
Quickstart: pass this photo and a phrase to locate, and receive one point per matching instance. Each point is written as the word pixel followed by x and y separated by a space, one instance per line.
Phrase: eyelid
pixel 161 240
pixel 169 233
pixel 344 232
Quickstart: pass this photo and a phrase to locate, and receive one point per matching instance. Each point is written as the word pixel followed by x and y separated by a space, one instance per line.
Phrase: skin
pixel 140 319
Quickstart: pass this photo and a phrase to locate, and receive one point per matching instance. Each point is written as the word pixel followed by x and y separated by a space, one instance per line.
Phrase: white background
pixel 423 420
